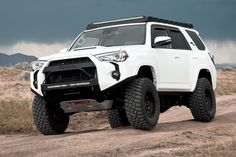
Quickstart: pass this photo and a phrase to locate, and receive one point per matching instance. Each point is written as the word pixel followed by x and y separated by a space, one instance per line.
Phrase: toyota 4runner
pixel 135 68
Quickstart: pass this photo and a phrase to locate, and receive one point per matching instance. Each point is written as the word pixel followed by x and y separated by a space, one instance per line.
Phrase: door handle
pixel 176 57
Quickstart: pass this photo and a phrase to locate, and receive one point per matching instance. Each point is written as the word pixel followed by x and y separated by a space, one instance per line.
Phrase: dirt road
pixel 176 132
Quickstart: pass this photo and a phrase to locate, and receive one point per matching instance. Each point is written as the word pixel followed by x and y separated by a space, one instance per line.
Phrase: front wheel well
pixel 146 72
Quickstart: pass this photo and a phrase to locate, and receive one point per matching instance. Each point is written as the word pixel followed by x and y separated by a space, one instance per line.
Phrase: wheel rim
pixel 208 101
pixel 58 115
pixel 149 105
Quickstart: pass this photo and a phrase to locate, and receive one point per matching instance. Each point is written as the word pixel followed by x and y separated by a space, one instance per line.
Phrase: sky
pixel 43 27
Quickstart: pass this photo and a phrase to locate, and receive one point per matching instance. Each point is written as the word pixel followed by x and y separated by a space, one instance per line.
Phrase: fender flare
pixel 197 76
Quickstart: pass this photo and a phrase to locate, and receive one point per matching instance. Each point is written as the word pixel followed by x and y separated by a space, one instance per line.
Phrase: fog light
pixel 115 75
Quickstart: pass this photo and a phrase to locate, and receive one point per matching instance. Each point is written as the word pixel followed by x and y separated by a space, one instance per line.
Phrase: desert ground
pixel 89 134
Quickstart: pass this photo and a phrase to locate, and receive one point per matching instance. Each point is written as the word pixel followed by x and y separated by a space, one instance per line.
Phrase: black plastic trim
pixel 117 70
pixel 35 92
pixel 35 81
pixel 112 88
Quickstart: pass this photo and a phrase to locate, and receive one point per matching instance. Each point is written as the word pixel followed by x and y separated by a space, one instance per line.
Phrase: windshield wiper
pixel 111 45
pixel 84 48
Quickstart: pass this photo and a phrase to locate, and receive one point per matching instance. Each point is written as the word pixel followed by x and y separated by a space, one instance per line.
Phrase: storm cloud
pixel 53 24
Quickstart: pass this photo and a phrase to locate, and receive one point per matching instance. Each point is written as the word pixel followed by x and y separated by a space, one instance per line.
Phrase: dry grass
pixel 15 102
pixel 9 74
pixel 226 82
pixel 15 116
pixel 16 99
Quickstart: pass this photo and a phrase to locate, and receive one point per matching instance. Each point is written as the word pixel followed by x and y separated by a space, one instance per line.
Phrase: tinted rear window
pixel 178 40
pixel 198 42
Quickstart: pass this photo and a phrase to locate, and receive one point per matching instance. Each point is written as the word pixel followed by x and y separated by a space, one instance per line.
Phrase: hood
pixel 82 51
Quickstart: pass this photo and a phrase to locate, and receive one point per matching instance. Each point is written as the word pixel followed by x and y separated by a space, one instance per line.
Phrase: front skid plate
pixel 85 105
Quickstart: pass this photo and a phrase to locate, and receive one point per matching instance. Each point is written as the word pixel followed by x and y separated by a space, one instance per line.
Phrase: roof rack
pixel 137 20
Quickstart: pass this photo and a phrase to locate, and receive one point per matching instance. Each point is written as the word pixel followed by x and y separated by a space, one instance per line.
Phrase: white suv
pixel 136 68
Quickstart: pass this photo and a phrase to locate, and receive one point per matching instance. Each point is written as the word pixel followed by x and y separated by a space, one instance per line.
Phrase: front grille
pixel 91 71
pixel 70 75
pixel 67 76
pixel 70 61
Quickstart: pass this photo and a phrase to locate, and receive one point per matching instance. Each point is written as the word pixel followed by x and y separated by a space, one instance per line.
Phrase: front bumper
pixel 102 81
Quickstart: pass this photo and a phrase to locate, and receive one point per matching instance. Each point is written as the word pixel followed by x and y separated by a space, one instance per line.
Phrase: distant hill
pixel 226 65
pixel 11 60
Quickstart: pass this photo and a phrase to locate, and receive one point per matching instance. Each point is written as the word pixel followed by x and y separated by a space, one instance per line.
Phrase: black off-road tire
pixel 142 104
pixel 117 118
pixel 48 118
pixel 202 101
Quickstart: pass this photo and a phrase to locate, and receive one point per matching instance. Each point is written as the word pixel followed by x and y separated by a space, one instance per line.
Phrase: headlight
pixel 37 65
pixel 114 56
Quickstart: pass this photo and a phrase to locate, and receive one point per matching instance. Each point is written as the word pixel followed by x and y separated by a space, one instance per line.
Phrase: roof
pixel 137 20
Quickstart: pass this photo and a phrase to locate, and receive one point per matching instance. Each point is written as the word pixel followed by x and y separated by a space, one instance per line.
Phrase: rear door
pixel 172 60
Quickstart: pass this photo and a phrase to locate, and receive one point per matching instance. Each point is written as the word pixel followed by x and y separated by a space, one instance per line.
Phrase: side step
pixel 85 105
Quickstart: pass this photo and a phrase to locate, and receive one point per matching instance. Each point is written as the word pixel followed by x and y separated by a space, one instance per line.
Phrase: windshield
pixel 113 36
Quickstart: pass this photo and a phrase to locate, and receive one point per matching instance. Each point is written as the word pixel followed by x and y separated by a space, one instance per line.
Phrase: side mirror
pixel 63 50
pixel 162 40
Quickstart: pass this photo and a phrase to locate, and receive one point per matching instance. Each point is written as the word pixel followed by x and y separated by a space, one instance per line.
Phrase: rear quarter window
pixel 198 42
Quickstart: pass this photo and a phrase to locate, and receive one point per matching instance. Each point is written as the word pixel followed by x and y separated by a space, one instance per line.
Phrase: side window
pixel 159 31
pixel 178 40
pixel 198 42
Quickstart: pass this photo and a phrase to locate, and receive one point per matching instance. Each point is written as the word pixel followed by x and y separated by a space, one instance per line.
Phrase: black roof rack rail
pixel 139 19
